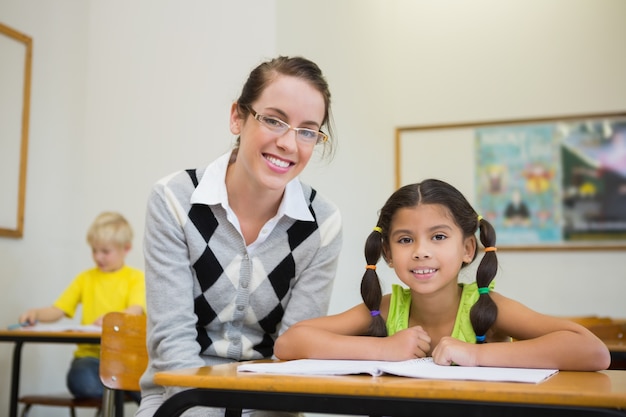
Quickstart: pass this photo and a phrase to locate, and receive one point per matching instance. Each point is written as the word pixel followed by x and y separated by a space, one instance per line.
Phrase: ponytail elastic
pixel 370 267
pixel 483 290
pixel 480 339
pixel 374 313
pixel 491 249
pixel 378 229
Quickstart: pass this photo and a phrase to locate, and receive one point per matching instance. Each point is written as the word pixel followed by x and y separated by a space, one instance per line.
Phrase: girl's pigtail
pixel 483 314
pixel 370 285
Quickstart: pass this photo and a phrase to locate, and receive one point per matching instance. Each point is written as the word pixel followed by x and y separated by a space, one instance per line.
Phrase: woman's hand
pixel 409 343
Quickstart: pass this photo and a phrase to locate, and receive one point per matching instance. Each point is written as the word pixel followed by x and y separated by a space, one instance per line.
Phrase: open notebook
pixel 414 368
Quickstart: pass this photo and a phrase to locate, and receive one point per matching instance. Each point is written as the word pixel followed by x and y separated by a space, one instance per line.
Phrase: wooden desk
pixel 19 337
pixel 612 331
pixel 617 347
pixel 568 394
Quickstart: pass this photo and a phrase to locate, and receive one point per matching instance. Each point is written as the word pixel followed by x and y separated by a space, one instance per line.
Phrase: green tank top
pixel 400 305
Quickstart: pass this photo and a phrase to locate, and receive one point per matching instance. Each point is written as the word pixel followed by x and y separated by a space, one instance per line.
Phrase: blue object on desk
pixel 17 326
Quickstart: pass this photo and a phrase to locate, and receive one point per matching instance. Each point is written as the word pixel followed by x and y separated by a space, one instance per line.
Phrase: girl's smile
pixel 424 273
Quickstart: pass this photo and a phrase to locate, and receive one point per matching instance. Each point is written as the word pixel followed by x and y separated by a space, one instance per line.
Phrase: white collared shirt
pixel 211 190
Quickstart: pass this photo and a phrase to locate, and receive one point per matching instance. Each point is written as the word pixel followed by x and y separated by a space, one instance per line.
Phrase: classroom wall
pixel 406 63
pixel 126 92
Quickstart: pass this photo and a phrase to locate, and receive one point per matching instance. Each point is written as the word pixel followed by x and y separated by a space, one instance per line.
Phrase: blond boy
pixel 110 286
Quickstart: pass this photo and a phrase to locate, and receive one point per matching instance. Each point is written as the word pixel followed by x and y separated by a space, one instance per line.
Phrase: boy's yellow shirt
pixel 99 293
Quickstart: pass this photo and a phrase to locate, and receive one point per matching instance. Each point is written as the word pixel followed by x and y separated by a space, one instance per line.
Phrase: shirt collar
pixel 211 190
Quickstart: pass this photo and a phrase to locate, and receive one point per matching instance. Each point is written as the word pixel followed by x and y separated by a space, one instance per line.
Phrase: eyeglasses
pixel 276 125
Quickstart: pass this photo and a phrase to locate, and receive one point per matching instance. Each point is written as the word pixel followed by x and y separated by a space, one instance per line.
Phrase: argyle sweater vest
pixel 277 262
pixel 209 300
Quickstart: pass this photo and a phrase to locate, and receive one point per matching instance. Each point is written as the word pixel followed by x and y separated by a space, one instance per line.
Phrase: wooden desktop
pixel 564 394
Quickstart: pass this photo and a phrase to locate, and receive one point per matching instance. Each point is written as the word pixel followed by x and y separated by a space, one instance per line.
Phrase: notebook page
pixel 414 368
pixel 421 368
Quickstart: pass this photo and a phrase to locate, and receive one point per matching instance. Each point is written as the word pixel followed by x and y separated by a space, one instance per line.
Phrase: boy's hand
pixel 451 351
pixel 29 318
pixel 409 343
pixel 42 315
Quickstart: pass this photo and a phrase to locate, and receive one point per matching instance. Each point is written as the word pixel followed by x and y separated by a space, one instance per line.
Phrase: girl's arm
pixel 541 341
pixel 339 337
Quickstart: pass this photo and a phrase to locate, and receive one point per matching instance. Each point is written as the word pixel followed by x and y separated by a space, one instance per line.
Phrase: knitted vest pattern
pixel 260 284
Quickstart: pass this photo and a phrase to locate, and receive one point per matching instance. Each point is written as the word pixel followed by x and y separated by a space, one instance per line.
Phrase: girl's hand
pixel 409 343
pixel 452 351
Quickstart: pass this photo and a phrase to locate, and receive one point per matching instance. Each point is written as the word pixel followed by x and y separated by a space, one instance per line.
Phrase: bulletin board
pixel 546 183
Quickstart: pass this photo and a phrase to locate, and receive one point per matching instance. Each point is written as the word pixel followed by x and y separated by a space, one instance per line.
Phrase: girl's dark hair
pixel 431 191
pixel 298 67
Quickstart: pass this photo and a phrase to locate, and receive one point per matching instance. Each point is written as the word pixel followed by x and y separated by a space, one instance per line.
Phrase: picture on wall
pixel 16 50
pixel 551 183
pixel 517 183
pixel 593 161
pixel 544 183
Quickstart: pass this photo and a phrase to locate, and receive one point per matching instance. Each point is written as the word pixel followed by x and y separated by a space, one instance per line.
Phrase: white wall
pixel 34 268
pixel 123 93
pixel 407 62
pixel 126 92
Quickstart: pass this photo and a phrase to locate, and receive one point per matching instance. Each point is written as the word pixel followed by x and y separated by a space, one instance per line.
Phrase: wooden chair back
pixel 589 321
pixel 611 331
pixel 123 355
pixel 614 335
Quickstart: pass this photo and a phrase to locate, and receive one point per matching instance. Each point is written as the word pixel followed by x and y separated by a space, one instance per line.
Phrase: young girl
pixel 426 233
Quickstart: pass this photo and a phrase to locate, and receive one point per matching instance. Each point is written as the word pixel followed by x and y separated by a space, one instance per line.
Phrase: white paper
pixel 59 327
pixel 414 368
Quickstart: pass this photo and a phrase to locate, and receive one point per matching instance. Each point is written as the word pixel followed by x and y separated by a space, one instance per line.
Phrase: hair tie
pixel 483 290
pixel 378 229
pixel 370 267
pixel 491 249
pixel 480 338
pixel 479 218
pixel 374 313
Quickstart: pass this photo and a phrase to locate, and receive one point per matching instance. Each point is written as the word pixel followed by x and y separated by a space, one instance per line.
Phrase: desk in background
pixel 614 336
pixel 612 331
pixel 19 337
pixel 567 394
pixel 617 348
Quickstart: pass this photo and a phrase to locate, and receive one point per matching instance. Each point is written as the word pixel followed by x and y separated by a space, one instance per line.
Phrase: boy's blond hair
pixel 110 227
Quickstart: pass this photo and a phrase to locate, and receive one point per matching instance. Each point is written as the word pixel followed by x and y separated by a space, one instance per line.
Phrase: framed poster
pixel 551 183
pixel 15 73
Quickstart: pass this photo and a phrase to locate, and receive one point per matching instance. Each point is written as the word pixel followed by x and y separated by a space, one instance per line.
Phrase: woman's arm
pixel 169 285
pixel 541 341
